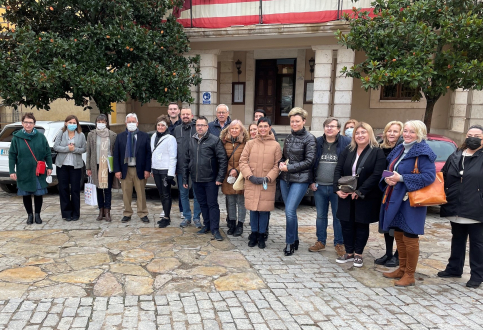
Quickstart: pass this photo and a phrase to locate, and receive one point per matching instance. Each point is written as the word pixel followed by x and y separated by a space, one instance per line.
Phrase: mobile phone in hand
pixel 387 174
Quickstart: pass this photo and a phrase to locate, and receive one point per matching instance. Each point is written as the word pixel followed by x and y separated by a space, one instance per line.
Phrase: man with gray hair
pixel 222 120
pixel 132 165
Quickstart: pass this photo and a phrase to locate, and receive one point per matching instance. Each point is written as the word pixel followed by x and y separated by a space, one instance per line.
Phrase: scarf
pixel 159 136
pixel 103 154
pixel 131 146
pixel 389 189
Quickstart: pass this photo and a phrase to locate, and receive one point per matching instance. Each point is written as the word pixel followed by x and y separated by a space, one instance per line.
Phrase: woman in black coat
pixel 357 210
pixel 463 184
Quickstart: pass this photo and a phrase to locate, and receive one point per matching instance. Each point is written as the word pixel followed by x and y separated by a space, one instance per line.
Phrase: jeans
pixel 184 197
pixel 456 261
pixel 232 202
pixel 259 221
pixel 104 196
pixel 207 194
pixel 164 190
pixel 323 195
pixel 69 191
pixel 292 194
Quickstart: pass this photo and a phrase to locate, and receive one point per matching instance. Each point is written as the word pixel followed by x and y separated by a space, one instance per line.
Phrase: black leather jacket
pixel 183 134
pixel 205 159
pixel 300 148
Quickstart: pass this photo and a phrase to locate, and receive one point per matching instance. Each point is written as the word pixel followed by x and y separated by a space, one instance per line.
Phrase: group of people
pixel 203 156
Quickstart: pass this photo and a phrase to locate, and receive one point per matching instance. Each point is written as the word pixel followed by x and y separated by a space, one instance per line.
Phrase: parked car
pixel 50 129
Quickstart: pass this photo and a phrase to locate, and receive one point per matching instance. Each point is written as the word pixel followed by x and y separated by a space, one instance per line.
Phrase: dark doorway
pixel 275 88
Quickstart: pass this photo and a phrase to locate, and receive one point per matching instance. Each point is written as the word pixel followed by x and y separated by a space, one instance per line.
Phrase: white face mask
pixel 231 179
pixel 101 125
pixel 131 127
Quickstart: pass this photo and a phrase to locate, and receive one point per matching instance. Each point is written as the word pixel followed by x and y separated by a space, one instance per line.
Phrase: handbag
pixel 90 193
pixel 41 165
pixel 348 183
pixel 430 195
pixel 239 183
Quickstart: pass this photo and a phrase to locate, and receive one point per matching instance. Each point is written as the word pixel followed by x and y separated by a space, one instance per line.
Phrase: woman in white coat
pixel 163 164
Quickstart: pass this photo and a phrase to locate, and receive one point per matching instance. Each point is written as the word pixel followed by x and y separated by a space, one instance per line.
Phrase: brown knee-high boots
pixel 401 248
pixel 412 251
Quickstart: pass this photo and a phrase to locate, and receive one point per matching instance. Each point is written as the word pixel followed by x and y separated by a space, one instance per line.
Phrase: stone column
pixel 249 86
pixel 343 86
pixel 300 78
pixel 226 77
pixel 457 114
pixel 474 111
pixel 322 82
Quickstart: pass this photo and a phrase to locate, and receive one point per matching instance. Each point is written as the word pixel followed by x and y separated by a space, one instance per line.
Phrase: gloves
pixel 170 180
pixel 256 180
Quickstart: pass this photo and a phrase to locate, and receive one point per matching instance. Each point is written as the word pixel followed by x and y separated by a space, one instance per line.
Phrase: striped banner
pixel 226 13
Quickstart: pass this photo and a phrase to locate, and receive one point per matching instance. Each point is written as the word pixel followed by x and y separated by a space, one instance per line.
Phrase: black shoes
pixel 253 239
pixel 473 284
pixel 217 236
pixel 145 219
pixel 261 241
pixel 238 229
pixel 231 226
pixel 296 244
pixel 164 222
pixel 382 260
pixel 125 219
pixel 393 262
pixel 37 218
pixel 289 249
pixel 445 274
pixel 203 230
pixel 30 219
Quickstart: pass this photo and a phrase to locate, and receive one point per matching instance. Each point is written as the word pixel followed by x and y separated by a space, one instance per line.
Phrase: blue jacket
pixel 215 128
pixel 399 213
pixel 342 143
pixel 143 154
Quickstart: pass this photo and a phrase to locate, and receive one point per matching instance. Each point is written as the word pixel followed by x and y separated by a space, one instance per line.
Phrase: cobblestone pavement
pixel 96 275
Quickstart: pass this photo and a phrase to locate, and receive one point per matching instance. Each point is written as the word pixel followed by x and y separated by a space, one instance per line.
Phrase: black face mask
pixel 473 143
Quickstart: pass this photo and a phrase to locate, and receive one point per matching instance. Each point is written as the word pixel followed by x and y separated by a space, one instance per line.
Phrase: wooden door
pixel 266 87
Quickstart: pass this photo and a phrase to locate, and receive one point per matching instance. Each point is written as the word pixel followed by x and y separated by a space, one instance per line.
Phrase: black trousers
pixel 69 191
pixel 104 196
pixel 355 234
pixel 164 190
pixel 456 261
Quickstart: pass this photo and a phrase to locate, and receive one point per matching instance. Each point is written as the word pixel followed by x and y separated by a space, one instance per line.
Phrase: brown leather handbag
pixel 430 195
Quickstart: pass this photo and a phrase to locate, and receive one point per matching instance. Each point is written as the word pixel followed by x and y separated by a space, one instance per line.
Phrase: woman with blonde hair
pixel 234 137
pixel 396 212
pixel 349 127
pixel 356 210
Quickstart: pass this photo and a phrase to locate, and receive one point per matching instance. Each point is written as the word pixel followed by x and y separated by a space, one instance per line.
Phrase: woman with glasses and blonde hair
pixel 357 210
pixel 396 212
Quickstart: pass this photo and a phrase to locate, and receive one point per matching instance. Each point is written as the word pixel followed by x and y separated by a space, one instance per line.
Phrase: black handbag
pixel 348 183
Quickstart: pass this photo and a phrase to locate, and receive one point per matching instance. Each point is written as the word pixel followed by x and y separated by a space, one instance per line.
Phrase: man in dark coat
pixel 132 165
pixel 222 120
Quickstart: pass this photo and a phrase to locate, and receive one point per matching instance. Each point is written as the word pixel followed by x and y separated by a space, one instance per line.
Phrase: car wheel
pixel 10 188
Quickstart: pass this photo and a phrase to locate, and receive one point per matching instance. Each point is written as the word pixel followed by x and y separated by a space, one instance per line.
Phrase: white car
pixel 50 129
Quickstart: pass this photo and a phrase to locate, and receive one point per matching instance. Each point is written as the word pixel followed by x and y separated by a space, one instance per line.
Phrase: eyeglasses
pixel 221 112
pixel 28 122
pixel 201 125
pixel 331 126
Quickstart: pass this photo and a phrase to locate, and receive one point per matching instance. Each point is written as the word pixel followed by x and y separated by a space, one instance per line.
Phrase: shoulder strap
pixel 363 160
pixel 234 151
pixel 416 169
pixel 159 142
pixel 31 150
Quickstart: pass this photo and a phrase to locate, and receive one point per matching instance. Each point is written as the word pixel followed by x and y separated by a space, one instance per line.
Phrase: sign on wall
pixel 206 97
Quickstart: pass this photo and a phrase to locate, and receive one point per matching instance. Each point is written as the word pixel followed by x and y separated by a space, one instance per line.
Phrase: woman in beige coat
pixel 100 144
pixel 259 166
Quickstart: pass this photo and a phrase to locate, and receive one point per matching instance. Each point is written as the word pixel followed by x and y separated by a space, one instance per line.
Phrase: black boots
pixel 30 219
pixel 261 241
pixel 253 239
pixel 37 218
pixel 231 226
pixel 238 229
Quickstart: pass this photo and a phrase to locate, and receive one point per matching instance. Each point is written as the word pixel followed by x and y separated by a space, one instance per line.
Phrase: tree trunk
pixel 428 114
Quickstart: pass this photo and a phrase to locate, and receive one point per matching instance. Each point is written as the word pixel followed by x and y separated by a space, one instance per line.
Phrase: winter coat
pixel 366 208
pixel 215 128
pixel 21 161
pixel 464 194
pixel 183 134
pixel 143 154
pixel 165 155
pixel 205 160
pixel 260 158
pixel 172 127
pixel 342 143
pixel 91 156
pixel 399 214
pixel 61 145
pixel 299 148
pixel 233 161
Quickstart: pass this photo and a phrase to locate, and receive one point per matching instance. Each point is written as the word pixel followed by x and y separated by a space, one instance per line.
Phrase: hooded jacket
pixel 234 160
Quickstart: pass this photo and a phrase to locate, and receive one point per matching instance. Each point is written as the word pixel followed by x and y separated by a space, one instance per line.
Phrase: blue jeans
pixel 184 197
pixel 292 194
pixel 323 195
pixel 259 221
pixel 207 193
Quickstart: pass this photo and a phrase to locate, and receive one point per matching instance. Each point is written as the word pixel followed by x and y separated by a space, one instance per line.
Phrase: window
pixel 397 92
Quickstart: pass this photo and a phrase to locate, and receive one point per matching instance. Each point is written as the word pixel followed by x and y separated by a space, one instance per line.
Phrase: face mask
pixel 71 127
pixel 131 127
pixel 101 125
pixel 348 132
pixel 473 143
pixel 231 179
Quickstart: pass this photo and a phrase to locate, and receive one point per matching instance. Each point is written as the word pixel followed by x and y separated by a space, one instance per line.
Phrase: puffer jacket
pixel 183 134
pixel 205 159
pixel 164 155
pixel 233 161
pixel 260 158
pixel 299 149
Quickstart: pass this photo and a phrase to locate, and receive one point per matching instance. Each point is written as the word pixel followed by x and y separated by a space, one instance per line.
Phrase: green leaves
pixel 105 50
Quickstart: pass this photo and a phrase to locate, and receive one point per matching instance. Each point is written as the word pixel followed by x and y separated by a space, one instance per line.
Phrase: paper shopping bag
pixel 90 193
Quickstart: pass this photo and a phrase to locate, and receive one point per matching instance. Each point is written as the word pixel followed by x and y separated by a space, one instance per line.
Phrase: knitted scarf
pixel 103 153
pixel 131 146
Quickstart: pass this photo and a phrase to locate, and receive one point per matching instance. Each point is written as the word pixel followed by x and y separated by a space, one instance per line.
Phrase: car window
pixel 7 134
pixel 86 129
pixel 442 149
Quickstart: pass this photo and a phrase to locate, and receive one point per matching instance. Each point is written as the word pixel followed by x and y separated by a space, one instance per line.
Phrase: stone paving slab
pixel 97 275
